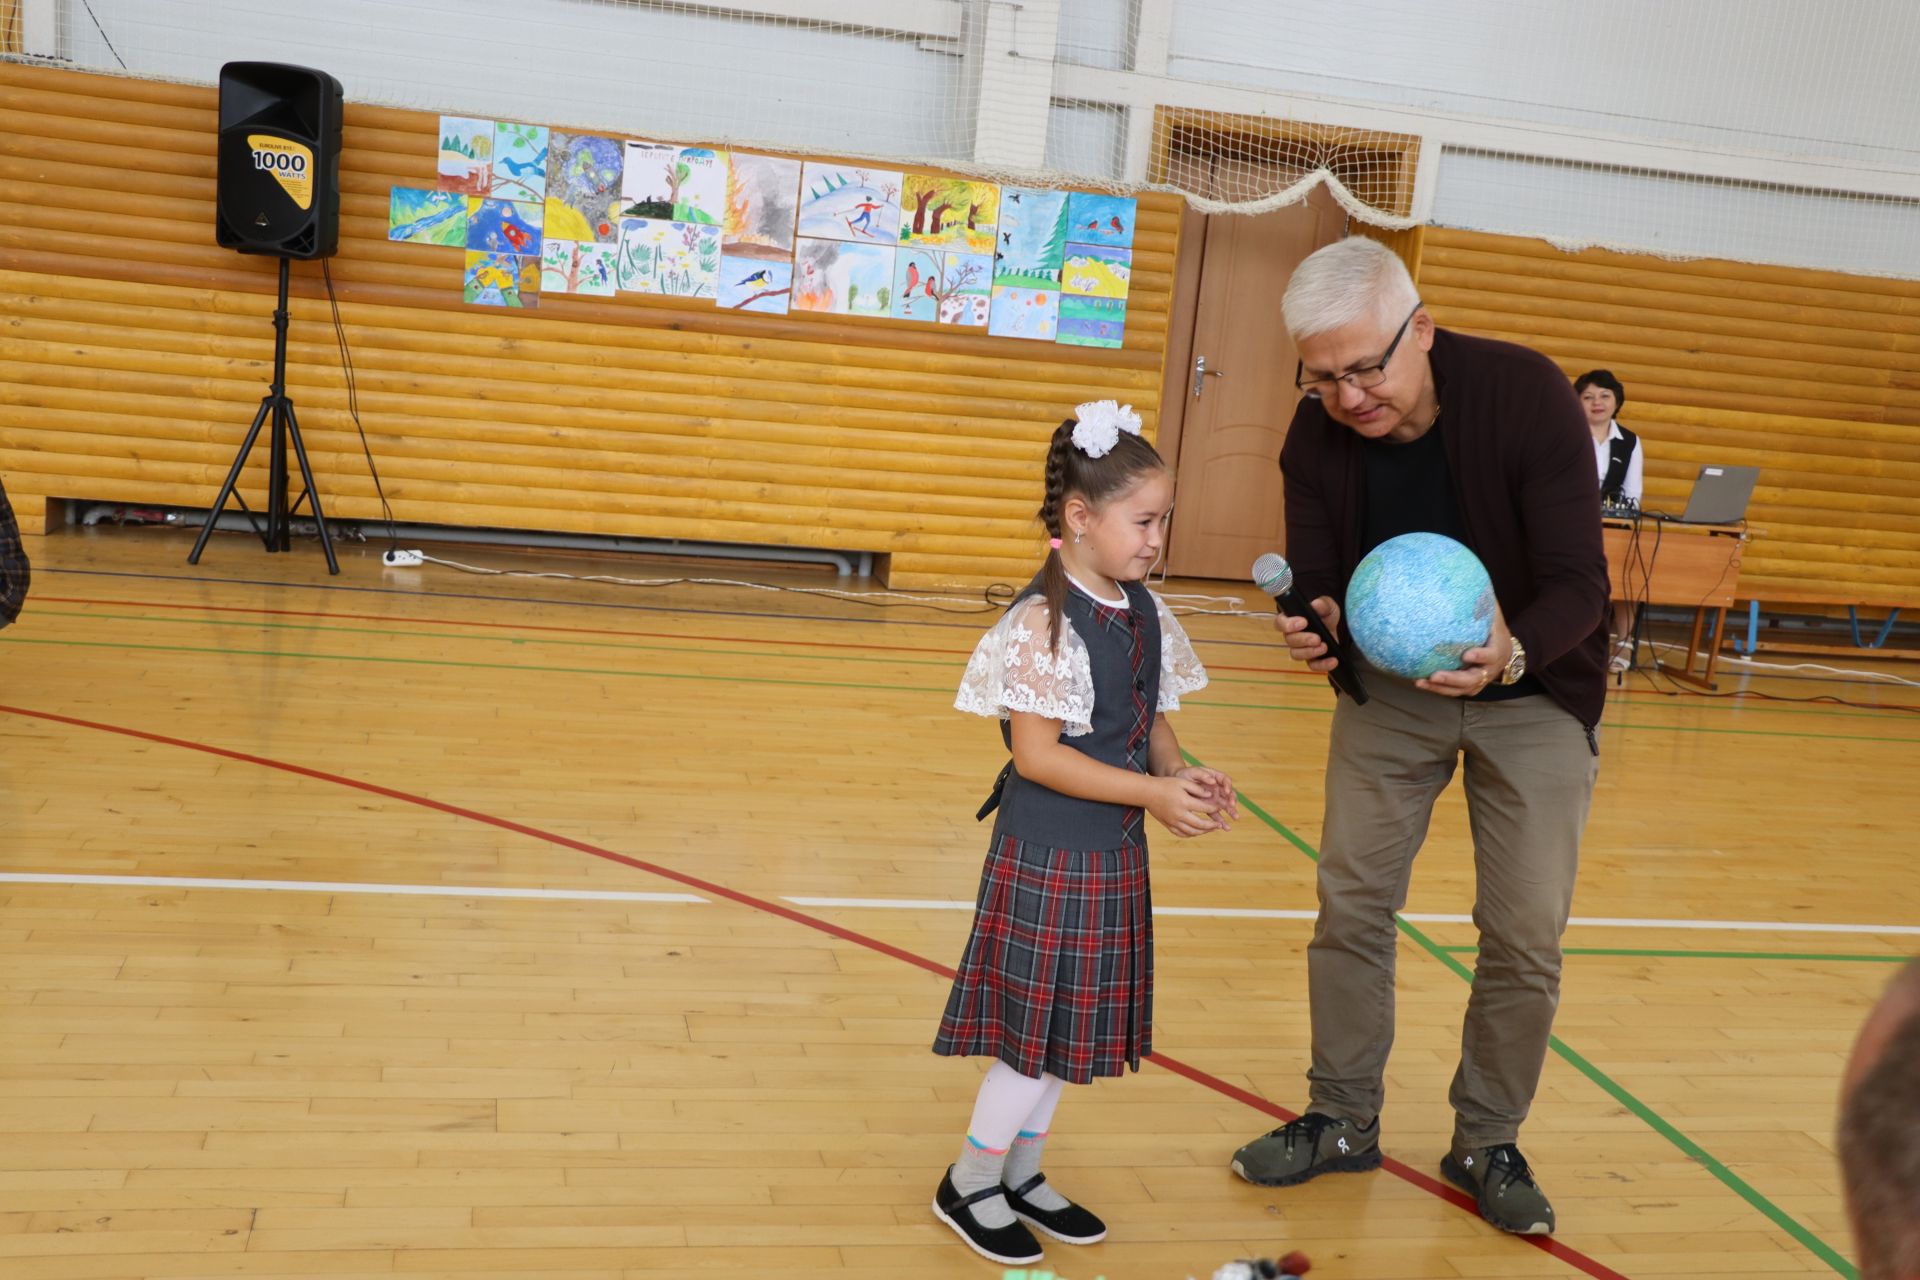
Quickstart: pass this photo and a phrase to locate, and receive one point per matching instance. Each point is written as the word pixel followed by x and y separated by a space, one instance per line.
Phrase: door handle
pixel 1201 373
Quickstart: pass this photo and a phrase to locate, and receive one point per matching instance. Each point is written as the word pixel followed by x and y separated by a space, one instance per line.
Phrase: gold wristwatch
pixel 1516 664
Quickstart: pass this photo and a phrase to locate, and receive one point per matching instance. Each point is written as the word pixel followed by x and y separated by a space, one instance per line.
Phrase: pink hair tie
pixel 1054 543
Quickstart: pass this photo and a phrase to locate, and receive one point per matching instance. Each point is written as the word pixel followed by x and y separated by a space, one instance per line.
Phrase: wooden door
pixel 1228 509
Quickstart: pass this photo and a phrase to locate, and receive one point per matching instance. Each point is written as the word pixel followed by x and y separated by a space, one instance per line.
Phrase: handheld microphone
pixel 1274 576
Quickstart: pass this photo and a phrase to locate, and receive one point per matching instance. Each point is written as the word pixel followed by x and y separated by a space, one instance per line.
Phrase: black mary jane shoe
pixel 1012 1243
pixel 1072 1224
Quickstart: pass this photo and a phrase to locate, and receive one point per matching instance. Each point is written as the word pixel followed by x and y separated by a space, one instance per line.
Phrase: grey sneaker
pixel 1308 1147
pixel 1498 1177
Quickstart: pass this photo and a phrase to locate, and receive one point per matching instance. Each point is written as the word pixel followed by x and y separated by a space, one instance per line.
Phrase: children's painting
pixel 1024 313
pixel 845 279
pixel 1093 218
pixel 949 213
pixel 1092 322
pixel 849 202
pixel 583 188
pixel 578 266
pixel 916 275
pixel 674 184
pixel 466 155
pixel 502 279
pixel 1030 245
pixel 427 217
pixel 700 186
pixel 762 195
pixel 502 226
pixel 966 289
pixel 674 259
pixel 519 162
pixel 755 284
pixel 646 180
pixel 1096 271
pixel 950 288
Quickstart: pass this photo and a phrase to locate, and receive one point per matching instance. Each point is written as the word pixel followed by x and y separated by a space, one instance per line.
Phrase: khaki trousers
pixel 1529 774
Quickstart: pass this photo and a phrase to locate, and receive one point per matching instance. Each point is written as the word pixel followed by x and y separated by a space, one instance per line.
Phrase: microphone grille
pixel 1272 574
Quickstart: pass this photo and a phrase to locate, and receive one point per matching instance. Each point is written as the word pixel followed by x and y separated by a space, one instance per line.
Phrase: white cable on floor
pixel 1725 658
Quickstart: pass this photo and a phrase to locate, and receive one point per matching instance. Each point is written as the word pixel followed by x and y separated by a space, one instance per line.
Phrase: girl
pixel 1056 981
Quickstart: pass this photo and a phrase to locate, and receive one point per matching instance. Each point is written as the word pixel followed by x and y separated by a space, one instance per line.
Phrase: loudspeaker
pixel 278 189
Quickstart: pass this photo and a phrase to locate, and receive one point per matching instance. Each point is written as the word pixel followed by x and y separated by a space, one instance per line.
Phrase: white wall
pixel 647 71
pixel 1832 77
pixel 1676 217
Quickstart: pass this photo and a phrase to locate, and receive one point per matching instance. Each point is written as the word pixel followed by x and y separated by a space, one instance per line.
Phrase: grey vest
pixel 1043 816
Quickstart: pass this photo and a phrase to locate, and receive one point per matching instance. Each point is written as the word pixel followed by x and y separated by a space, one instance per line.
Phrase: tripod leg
pixel 233 476
pixel 313 494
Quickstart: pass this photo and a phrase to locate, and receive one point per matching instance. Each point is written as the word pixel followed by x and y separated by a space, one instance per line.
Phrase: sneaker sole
pixel 974 1245
pixel 1339 1164
pixel 1046 1230
pixel 1461 1179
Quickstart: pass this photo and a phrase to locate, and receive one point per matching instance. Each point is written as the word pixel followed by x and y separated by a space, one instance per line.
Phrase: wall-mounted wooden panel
pixel 136 351
pixel 1812 376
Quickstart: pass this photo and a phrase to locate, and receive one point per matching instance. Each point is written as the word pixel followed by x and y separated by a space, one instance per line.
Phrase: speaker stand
pixel 277 405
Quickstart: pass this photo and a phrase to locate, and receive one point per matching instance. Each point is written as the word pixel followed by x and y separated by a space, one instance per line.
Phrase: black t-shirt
pixel 1408 489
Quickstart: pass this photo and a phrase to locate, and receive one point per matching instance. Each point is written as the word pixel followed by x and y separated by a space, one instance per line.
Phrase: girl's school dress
pixel 1057 975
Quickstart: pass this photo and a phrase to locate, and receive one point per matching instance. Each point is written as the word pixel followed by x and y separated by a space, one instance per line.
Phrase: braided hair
pixel 1069 471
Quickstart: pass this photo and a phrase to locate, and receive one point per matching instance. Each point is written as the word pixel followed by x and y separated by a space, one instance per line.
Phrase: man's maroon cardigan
pixel 1524 479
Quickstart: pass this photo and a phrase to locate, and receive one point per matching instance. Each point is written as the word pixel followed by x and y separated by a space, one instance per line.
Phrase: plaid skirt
pixel 1057 974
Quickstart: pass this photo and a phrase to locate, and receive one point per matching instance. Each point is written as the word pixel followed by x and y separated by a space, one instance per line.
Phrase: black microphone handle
pixel 1344 677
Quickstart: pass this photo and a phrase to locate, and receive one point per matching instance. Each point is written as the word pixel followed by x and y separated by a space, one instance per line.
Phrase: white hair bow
pixel 1098 426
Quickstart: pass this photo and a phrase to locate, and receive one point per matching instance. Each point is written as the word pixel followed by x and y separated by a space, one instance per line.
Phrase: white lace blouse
pixel 1012 669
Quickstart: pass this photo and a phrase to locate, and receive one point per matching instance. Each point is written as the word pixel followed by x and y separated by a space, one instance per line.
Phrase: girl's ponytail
pixel 1053 576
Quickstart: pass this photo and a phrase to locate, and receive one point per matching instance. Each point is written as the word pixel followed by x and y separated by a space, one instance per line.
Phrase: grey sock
pixel 977 1169
pixel 1023 1161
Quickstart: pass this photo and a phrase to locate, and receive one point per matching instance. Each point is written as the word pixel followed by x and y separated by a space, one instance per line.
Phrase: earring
pixel 1076 535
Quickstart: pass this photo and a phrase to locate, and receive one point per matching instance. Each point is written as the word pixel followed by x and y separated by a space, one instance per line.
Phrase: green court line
pixel 1610 724
pixel 828 684
pixel 419 633
pixel 949 664
pixel 1759 733
pixel 944 664
pixel 1684 954
pixel 483 666
pixel 1687 1146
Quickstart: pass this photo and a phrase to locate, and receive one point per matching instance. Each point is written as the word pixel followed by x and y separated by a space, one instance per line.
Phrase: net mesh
pixel 1759 130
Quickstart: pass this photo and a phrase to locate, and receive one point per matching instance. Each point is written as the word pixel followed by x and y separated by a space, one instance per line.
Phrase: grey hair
pixel 1348 280
pixel 1879 1144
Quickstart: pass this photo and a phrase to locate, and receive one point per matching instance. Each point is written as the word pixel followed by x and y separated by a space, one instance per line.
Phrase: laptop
pixel 1720 495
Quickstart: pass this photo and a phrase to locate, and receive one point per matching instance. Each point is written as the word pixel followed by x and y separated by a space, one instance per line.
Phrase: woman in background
pixel 1618 458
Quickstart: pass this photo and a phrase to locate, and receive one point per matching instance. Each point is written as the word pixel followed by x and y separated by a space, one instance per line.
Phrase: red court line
pixel 1433 1186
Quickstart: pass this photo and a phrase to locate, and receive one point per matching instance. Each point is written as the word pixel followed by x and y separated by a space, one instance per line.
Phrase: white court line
pixel 889 904
pixel 1413 917
pixel 323 886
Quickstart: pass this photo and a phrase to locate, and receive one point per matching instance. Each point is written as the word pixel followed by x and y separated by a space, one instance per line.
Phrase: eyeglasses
pixel 1371 376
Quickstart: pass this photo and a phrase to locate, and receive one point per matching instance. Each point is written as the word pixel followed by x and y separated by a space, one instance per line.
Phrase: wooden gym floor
pixel 593 931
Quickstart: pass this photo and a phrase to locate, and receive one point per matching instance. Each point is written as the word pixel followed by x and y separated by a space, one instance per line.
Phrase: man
pixel 1880 1134
pixel 13 563
pixel 1409 428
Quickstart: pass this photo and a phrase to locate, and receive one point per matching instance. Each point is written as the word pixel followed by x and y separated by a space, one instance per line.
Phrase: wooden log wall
pixel 1812 376
pixel 136 352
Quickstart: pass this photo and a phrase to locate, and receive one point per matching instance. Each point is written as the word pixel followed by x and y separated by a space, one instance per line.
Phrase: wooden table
pixel 1664 562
